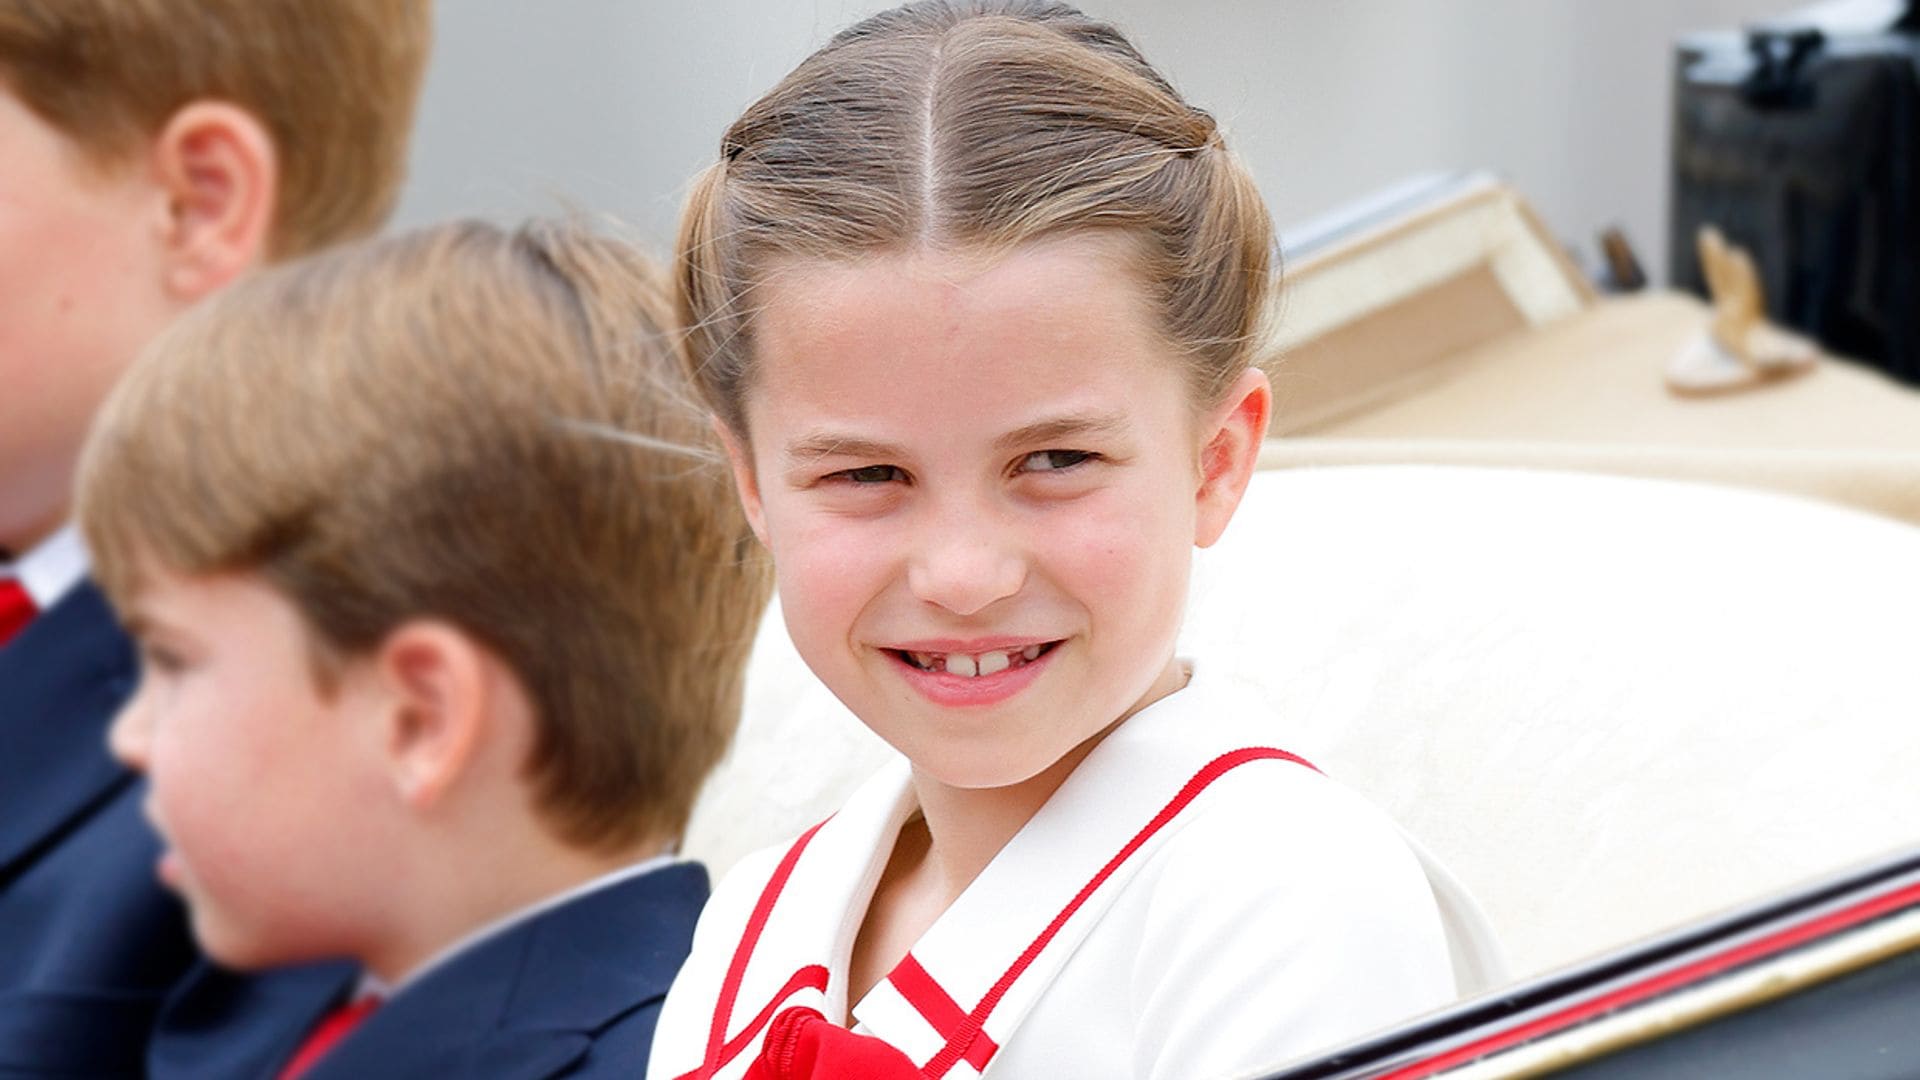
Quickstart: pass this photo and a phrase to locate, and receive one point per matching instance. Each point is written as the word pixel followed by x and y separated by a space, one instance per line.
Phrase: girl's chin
pixel 984 774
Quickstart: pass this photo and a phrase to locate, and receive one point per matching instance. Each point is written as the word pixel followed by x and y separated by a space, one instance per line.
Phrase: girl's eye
pixel 872 474
pixel 1054 460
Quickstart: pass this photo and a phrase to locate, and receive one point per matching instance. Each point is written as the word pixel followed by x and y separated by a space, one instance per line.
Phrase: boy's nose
pixel 128 739
pixel 964 566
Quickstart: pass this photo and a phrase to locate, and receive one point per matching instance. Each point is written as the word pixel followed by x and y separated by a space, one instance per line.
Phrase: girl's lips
pixel 948 689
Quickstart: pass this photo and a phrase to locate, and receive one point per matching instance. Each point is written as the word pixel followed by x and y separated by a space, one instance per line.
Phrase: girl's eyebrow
pixel 819 444
pixel 813 446
pixel 1062 429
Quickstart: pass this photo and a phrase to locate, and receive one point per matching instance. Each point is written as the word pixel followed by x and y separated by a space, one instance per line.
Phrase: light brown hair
pixel 484 427
pixel 976 125
pixel 333 81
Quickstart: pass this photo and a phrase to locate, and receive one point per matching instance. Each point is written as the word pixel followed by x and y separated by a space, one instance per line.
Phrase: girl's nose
pixel 965 564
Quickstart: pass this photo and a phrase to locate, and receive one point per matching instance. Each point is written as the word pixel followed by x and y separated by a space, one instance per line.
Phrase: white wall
pixel 612 104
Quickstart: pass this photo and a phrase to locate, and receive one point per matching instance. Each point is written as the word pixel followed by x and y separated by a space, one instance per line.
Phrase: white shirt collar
pixel 372 986
pixel 51 568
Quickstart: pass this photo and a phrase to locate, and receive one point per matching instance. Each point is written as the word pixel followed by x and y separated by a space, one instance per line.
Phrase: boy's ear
pixel 438 690
pixel 220 174
pixel 740 458
pixel 1231 436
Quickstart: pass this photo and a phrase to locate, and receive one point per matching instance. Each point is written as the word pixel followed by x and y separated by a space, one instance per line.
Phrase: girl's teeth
pixel 972 666
pixel 987 663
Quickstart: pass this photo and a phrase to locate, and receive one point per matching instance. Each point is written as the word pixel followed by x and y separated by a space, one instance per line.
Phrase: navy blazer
pixel 89 941
pixel 573 992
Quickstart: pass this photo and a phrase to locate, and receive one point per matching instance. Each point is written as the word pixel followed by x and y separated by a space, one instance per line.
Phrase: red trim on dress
pixel 812 977
pixel 961 1039
pixel 965 1039
pixel 939 1010
pixel 720 1049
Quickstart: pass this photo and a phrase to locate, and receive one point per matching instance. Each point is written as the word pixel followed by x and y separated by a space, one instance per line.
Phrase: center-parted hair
pixel 485 427
pixel 976 126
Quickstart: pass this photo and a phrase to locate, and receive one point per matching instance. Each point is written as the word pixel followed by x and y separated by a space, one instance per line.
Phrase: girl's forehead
pixel 921 352
pixel 1050 286
pixel 1107 253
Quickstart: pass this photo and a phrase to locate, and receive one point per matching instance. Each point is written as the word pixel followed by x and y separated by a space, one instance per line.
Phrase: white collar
pixel 372 986
pixel 1069 843
pixel 51 568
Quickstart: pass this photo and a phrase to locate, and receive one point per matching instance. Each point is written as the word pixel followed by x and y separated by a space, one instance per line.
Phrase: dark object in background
pixel 1800 140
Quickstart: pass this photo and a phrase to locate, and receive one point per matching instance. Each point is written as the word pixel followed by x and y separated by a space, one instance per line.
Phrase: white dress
pixel 1189 903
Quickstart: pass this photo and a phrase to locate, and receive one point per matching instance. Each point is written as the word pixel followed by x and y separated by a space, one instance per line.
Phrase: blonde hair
pixel 467 424
pixel 333 82
pixel 976 126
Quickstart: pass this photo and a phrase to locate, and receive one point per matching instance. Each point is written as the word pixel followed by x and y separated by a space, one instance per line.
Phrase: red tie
pixel 17 609
pixel 330 1030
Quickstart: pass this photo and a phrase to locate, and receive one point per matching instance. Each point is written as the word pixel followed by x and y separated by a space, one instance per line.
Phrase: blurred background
pixel 613 104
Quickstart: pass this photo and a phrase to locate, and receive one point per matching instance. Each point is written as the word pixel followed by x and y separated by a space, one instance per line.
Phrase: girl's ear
pixel 1231 436
pixel 740 457
pixel 219 172
pixel 436 707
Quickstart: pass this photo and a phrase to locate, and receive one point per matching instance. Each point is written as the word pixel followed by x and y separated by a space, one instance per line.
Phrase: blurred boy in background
pixel 444 602
pixel 154 151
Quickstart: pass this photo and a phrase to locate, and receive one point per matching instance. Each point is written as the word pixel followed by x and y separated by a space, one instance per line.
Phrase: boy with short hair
pixel 445 605
pixel 150 153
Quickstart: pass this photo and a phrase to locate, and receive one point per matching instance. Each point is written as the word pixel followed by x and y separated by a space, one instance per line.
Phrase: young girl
pixel 974 296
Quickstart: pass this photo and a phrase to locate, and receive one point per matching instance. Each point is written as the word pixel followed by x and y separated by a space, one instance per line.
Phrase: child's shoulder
pixel 1270 842
pixel 1287 914
pixel 1283 830
pixel 739 888
pixel 1278 910
pixel 846 839
pixel 576 987
pixel 1248 786
pixel 731 921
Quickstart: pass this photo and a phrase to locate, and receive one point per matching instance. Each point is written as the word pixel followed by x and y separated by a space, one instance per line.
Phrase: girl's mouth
pixel 974 665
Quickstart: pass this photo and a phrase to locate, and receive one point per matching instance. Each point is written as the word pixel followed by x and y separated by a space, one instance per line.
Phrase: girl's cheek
pixel 820 570
pixel 830 544
pixel 1113 534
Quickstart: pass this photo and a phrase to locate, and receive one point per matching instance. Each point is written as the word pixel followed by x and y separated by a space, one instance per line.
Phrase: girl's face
pixel 981 483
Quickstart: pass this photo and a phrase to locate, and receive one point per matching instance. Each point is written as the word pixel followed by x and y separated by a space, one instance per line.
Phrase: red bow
pixel 802 1045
